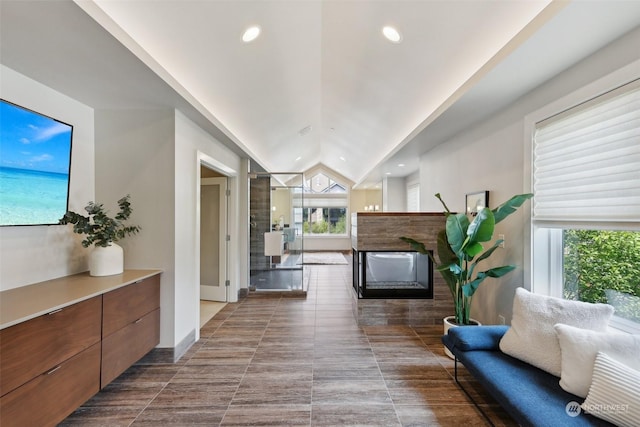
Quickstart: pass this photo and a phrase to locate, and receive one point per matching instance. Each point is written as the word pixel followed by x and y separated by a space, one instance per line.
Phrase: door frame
pixel 203 159
pixel 222 293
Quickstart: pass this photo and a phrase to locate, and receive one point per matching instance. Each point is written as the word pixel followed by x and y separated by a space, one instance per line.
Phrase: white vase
pixel 448 323
pixel 106 261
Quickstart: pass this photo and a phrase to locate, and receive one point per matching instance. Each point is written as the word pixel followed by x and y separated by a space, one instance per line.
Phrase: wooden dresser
pixel 63 340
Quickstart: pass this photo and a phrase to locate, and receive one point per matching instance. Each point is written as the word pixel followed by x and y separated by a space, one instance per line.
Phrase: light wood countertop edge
pixel 27 302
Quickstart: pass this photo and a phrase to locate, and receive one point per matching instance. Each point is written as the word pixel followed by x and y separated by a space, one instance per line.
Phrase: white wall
pixel 490 157
pixel 359 199
pixel 135 155
pixel 243 224
pixel 282 201
pixel 414 178
pixel 394 194
pixel 30 254
pixel 328 243
pixel 500 154
pixel 151 155
pixel 189 141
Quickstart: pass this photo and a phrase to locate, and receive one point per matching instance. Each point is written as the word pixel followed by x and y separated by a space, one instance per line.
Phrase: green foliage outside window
pixel 604 266
pixel 329 221
pixel 319 227
pixel 340 226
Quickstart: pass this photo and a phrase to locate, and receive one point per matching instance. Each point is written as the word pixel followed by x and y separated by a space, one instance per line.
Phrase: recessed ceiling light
pixel 392 34
pixel 251 34
pixel 400 165
pixel 343 159
pixel 298 158
pixel 387 173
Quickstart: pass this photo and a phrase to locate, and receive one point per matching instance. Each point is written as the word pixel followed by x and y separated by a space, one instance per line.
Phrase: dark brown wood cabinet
pixel 130 326
pixel 30 348
pixel 127 345
pixel 51 363
pixel 128 304
pixel 51 396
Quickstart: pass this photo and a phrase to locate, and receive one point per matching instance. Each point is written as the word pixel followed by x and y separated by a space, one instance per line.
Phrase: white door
pixel 213 239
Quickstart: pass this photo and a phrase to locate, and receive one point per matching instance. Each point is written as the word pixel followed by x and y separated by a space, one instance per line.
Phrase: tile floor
pixel 273 360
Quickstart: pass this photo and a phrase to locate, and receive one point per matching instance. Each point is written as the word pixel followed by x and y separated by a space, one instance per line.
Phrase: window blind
pixel 586 161
pixel 322 201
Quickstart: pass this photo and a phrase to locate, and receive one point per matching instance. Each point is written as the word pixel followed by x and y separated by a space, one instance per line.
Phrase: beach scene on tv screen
pixel 35 156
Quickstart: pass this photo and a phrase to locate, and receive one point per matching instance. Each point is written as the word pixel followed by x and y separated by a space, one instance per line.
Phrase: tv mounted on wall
pixel 35 164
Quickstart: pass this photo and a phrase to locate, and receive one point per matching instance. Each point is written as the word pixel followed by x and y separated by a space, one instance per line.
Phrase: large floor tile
pixel 181 416
pixel 276 361
pixel 352 391
pixel 267 415
pixel 332 415
pixel 101 416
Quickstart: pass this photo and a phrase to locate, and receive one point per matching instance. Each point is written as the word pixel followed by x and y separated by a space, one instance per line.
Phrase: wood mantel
pixel 381 231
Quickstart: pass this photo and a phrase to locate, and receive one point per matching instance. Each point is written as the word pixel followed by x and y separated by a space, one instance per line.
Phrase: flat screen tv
pixel 35 163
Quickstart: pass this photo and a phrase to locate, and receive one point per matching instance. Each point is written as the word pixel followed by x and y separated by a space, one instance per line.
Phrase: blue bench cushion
pixel 467 338
pixel 531 396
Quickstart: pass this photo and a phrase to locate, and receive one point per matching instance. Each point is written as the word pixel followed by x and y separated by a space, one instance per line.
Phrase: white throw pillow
pixel 614 395
pixel 531 337
pixel 579 348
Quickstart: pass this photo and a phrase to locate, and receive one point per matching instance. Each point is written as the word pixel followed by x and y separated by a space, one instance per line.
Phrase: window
pixel 325 206
pixel 322 184
pixel 603 266
pixel 324 220
pixel 586 208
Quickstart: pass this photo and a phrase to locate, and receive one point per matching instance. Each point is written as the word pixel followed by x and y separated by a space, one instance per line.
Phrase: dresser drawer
pixel 30 348
pixel 126 346
pixel 130 303
pixel 52 396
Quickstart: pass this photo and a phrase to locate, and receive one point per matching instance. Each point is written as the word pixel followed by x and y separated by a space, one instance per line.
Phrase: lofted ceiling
pixel 320 85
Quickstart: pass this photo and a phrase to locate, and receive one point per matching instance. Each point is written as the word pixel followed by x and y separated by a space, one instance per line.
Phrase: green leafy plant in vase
pixel 102 231
pixel 460 250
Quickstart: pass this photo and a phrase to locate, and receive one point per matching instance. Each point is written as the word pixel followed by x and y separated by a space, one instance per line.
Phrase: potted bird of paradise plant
pixel 460 250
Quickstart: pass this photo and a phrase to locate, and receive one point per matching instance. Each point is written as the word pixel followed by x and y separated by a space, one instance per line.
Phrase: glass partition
pixel 276 232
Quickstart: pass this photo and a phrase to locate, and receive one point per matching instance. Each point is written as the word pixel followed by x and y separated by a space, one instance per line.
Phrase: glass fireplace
pixel 392 274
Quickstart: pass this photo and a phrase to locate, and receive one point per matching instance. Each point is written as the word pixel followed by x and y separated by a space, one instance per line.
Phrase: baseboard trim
pixel 166 355
pixel 184 345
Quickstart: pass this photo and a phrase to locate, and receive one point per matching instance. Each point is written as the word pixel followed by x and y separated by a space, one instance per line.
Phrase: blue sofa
pixel 531 396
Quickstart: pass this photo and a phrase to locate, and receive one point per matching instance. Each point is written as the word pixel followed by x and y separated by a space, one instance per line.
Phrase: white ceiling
pixel 371 104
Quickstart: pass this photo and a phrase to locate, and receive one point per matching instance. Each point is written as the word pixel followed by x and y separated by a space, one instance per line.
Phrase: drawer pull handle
pixel 55 311
pixel 138 321
pixel 53 370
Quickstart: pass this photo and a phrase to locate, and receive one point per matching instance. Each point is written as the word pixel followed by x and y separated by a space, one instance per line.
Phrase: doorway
pixel 213 237
pixel 229 205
